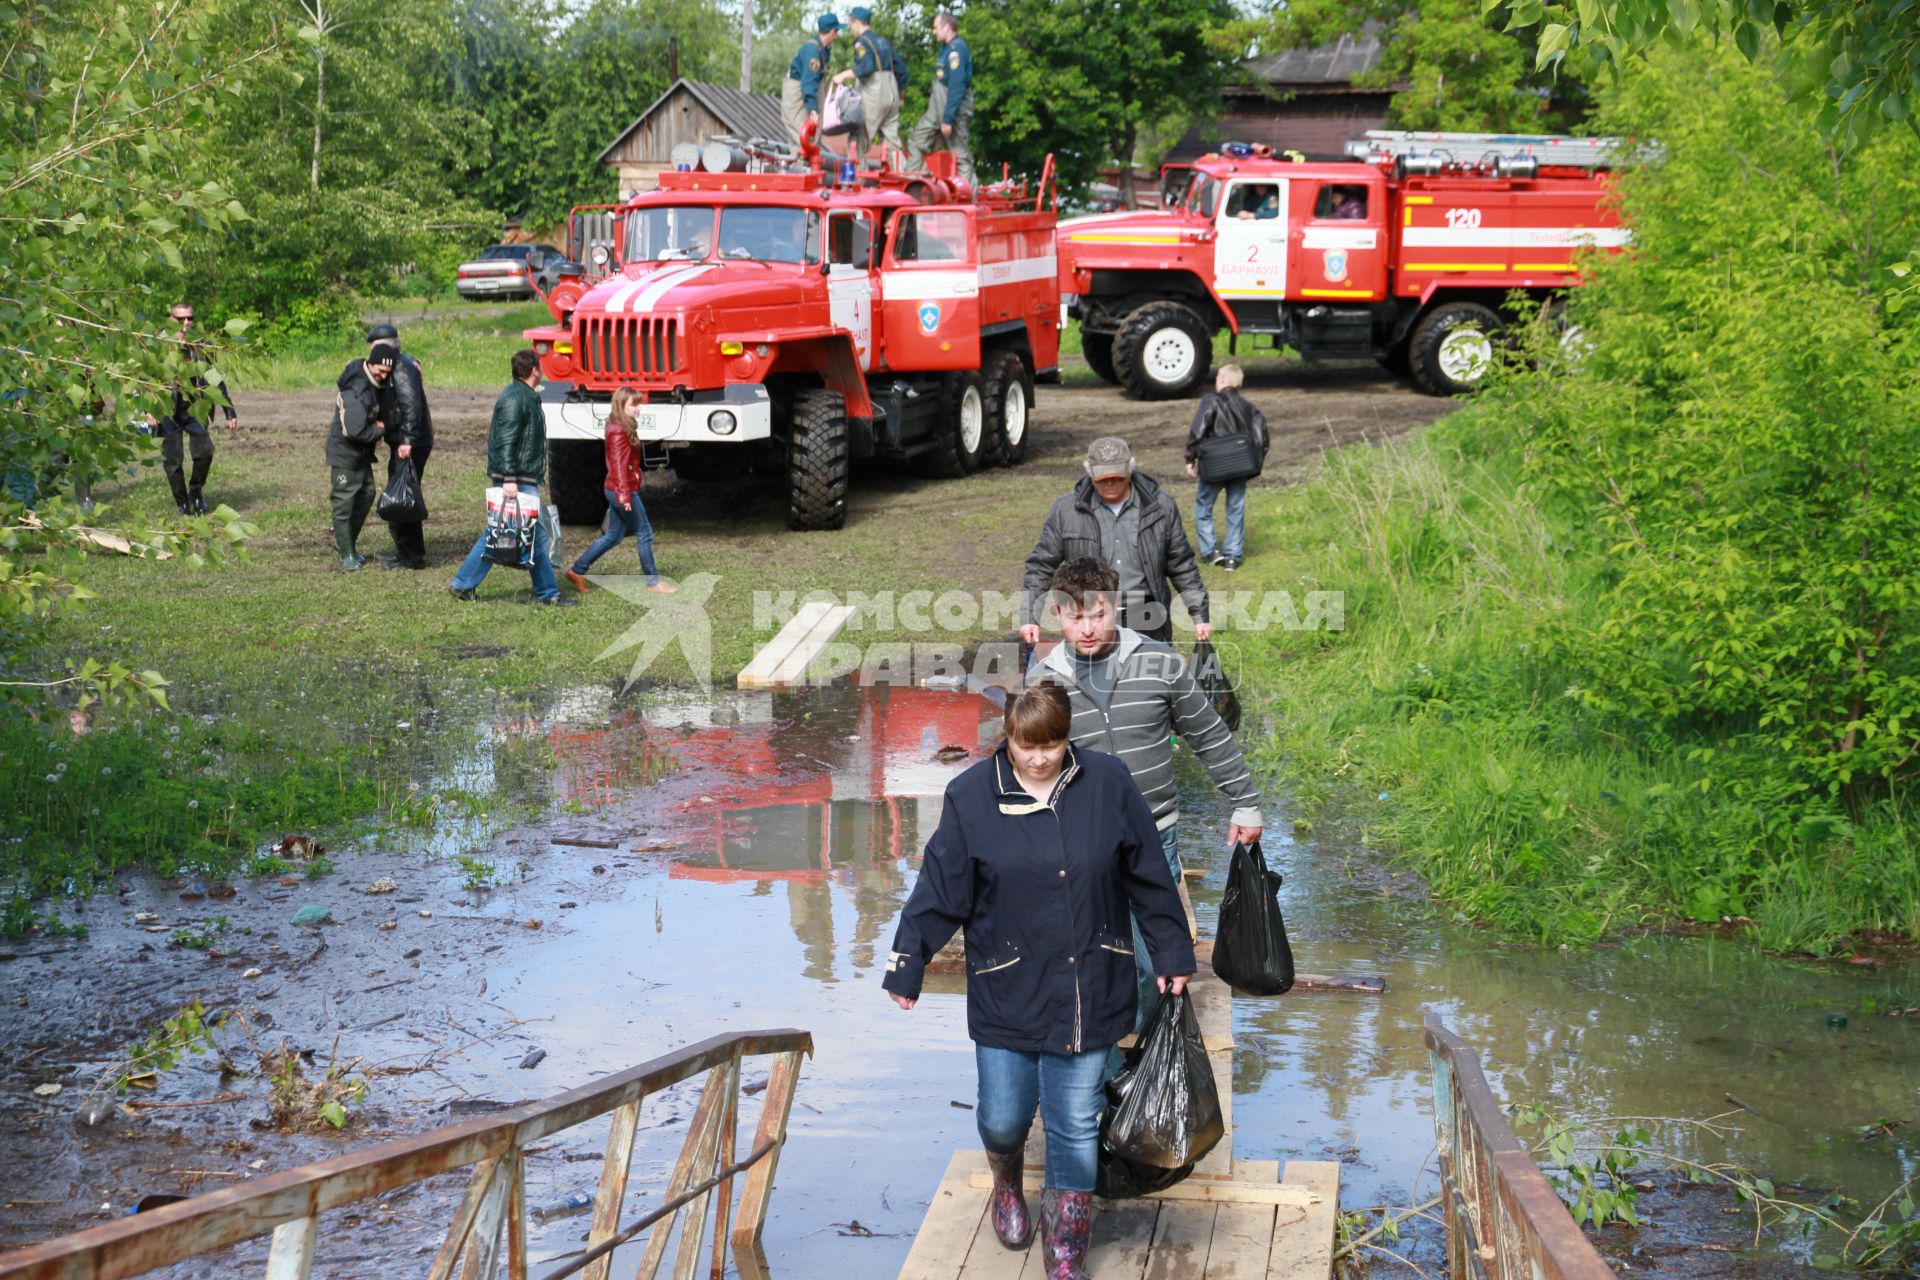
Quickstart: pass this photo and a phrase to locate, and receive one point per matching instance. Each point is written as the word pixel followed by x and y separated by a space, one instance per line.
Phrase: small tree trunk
pixel 319 107
pixel 746 46
pixel 1129 199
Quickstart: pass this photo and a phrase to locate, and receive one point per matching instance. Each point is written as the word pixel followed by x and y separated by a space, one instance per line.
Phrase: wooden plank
pixel 1243 1234
pixel 757 672
pixel 1354 985
pixel 988 1259
pixel 1303 1249
pixel 1122 1240
pixel 1256 1170
pixel 1181 1239
pixel 776 1108
pixel 793 668
pixel 953 1216
pixel 1192 1189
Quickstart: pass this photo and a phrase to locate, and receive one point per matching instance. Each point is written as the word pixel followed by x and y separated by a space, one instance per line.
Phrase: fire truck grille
pixel 643 346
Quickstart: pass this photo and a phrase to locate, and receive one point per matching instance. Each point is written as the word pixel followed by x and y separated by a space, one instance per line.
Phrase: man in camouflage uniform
pixel 949 118
pixel 800 96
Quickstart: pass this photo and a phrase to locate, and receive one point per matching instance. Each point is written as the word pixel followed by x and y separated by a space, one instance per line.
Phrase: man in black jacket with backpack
pixel 1223 412
pixel 403 402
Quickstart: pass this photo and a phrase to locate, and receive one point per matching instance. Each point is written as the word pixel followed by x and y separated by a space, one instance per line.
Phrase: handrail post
pixel 483 1241
pixel 290 1256
pixel 776 1108
pixel 722 1083
pixel 723 1159
pixel 614 1170
pixel 477 1188
pixel 700 1131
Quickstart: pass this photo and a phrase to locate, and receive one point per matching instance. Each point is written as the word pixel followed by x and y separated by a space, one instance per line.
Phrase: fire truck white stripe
pixel 619 300
pixel 657 285
pixel 1019 270
pixel 1513 237
pixel 932 284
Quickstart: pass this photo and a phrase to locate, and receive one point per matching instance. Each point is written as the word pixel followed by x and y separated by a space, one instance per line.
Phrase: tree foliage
pixel 1857 62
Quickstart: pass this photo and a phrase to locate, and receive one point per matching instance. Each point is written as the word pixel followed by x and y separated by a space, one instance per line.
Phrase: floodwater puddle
pixel 706 866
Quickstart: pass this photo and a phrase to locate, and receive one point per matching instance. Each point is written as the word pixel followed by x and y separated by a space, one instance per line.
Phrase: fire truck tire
pixel 960 437
pixel 1009 396
pixel 1098 349
pixel 817 462
pixel 575 470
pixel 1162 352
pixel 1452 348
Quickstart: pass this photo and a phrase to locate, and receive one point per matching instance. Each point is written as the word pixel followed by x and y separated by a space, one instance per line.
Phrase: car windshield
pixel 745 233
pixel 505 251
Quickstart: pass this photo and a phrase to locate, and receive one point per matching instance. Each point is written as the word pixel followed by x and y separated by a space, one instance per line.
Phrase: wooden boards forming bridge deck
pixel 1231 1220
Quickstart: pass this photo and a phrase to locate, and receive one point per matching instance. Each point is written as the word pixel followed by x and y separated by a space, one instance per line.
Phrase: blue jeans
pixel 473 570
pixel 1142 962
pixel 620 523
pixel 1203 497
pixel 1069 1089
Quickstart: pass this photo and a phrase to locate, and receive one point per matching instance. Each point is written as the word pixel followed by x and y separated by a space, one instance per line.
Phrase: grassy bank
pixel 458 343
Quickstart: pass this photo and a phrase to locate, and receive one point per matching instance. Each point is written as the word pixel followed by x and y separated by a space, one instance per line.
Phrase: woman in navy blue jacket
pixel 1043 853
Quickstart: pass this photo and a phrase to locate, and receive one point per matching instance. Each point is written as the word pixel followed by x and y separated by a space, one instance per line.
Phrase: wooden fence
pixel 1504 1222
pixel 290 1204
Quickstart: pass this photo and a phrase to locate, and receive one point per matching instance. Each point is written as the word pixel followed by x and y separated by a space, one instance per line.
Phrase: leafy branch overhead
pixel 1856 61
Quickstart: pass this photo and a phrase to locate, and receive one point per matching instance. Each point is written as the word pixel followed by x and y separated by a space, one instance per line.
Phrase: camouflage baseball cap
pixel 1109 456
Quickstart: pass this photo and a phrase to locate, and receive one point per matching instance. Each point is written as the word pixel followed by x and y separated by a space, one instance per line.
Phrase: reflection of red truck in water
pixel 1408 255
pixel 775 323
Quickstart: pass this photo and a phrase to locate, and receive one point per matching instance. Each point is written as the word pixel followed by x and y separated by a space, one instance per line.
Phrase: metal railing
pixel 290 1204
pixel 1504 1221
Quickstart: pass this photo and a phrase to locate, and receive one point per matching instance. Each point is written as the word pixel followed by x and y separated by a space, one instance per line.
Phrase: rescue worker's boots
pixel 1011 1222
pixel 1066 1227
pixel 182 502
pixel 198 482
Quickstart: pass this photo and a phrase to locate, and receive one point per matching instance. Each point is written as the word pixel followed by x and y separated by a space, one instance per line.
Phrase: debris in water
pixel 425 914
pixel 97 1108
pixel 565 906
pixel 856 1229
pixel 471 1106
pixel 385 884
pixel 145 917
pixel 579 1202
pixel 410 954
pixel 386 926
pixel 251 973
pixel 532 1060
pixel 193 893
pixel 312 915
pixel 951 752
pixel 47 1090
pixel 296 847
pixel 531 924
pixel 1836 1021
pixel 960 1106
pixel 220 890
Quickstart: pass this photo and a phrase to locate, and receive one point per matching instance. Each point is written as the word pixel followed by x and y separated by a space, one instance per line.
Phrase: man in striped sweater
pixel 1130 695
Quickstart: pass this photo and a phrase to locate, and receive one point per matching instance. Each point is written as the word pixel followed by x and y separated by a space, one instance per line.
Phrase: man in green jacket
pixel 517 462
pixel 356 428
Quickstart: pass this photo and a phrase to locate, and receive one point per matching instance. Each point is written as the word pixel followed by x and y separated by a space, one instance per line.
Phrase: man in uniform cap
pixel 882 74
pixel 800 96
pixel 949 118
pixel 1123 518
pixel 403 403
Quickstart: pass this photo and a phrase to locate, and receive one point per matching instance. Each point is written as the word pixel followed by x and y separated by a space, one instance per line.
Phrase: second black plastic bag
pixel 402 499
pixel 1166 1110
pixel 1251 952
pixel 1214 685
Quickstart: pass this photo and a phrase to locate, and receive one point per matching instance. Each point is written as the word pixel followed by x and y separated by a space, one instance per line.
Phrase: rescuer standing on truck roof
pixel 949 119
pixel 882 74
pixel 800 96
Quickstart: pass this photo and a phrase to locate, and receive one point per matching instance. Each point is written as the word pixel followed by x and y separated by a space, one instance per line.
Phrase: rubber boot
pixel 180 499
pixel 1011 1221
pixel 1066 1226
pixel 198 482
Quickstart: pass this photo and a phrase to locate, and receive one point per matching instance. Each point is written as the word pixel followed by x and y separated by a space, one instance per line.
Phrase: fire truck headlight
pixel 762 350
pixel 542 348
pixel 600 255
pixel 721 423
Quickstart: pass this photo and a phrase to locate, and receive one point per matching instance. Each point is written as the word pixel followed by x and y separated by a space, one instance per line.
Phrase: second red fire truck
pixel 1409 253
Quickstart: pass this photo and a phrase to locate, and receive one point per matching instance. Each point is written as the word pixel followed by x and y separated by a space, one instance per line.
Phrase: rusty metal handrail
pixel 1504 1220
pixel 290 1204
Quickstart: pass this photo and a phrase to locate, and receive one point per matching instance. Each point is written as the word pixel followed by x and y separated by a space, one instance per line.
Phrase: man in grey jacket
pixel 1121 517
pixel 1130 695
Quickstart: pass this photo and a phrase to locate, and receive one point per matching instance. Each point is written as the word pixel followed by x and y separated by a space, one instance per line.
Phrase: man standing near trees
pixel 800 95
pixel 403 403
pixel 356 428
pixel 188 494
pixel 882 74
pixel 949 119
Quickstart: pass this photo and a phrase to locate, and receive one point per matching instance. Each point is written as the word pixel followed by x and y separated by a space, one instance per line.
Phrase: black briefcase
pixel 1227 459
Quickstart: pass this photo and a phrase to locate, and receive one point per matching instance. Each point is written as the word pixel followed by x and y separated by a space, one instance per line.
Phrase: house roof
pixel 1338 63
pixel 750 115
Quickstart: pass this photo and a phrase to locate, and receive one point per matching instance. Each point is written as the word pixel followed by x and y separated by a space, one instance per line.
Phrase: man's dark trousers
pixel 409 537
pixel 199 445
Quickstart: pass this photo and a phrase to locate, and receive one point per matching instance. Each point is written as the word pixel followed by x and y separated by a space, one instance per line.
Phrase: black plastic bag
pixel 1250 952
pixel 509 536
pixel 1213 682
pixel 1166 1112
pixel 402 500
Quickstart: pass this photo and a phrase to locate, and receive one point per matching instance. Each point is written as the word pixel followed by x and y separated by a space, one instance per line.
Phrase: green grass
pixel 459 343
pixel 1436 724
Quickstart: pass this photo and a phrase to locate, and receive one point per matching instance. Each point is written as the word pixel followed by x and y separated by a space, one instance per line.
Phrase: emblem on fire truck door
pixel 929 316
pixel 1336 264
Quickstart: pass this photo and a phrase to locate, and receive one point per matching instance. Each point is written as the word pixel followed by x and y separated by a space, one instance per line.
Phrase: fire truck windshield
pixel 756 233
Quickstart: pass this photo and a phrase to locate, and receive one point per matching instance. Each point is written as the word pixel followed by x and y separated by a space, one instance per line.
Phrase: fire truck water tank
pixel 718 157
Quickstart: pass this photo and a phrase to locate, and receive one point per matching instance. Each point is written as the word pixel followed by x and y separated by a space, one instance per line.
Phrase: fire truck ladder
pixel 1469 148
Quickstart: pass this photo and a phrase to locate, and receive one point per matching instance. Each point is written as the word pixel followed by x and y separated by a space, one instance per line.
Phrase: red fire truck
pixel 792 322
pixel 1408 252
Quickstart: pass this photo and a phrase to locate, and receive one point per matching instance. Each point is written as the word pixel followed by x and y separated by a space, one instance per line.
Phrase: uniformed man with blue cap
pixel 882 74
pixel 949 118
pixel 800 96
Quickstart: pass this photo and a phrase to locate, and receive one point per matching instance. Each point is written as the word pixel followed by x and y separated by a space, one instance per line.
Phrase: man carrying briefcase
pixel 1226 447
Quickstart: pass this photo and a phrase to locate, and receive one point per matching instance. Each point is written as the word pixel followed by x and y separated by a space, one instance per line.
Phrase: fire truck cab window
pixel 1254 200
pixel 1344 202
pixel 1204 195
pixel 850 242
pixel 763 234
pixel 665 232
pixel 936 236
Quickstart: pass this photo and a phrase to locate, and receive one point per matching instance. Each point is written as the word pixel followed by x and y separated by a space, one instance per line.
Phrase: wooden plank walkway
pixel 1230 1220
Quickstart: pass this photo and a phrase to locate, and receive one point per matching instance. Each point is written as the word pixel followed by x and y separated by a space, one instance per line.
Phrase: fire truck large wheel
pixel 1162 352
pixel 817 462
pixel 575 471
pixel 960 437
pixel 1452 348
pixel 1009 397
pixel 1098 349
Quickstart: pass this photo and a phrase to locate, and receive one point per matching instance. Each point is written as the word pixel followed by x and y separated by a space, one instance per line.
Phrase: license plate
pixel 643 422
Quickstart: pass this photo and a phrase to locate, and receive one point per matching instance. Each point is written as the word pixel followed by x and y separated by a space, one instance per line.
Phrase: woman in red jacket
pixel 625 514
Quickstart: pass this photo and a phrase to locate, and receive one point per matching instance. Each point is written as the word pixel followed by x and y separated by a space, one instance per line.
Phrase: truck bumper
pixel 700 421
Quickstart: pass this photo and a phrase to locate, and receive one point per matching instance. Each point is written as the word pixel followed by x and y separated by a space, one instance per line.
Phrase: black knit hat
pixel 383 353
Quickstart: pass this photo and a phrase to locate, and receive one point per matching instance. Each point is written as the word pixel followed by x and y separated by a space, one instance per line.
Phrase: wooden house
pixel 689 111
